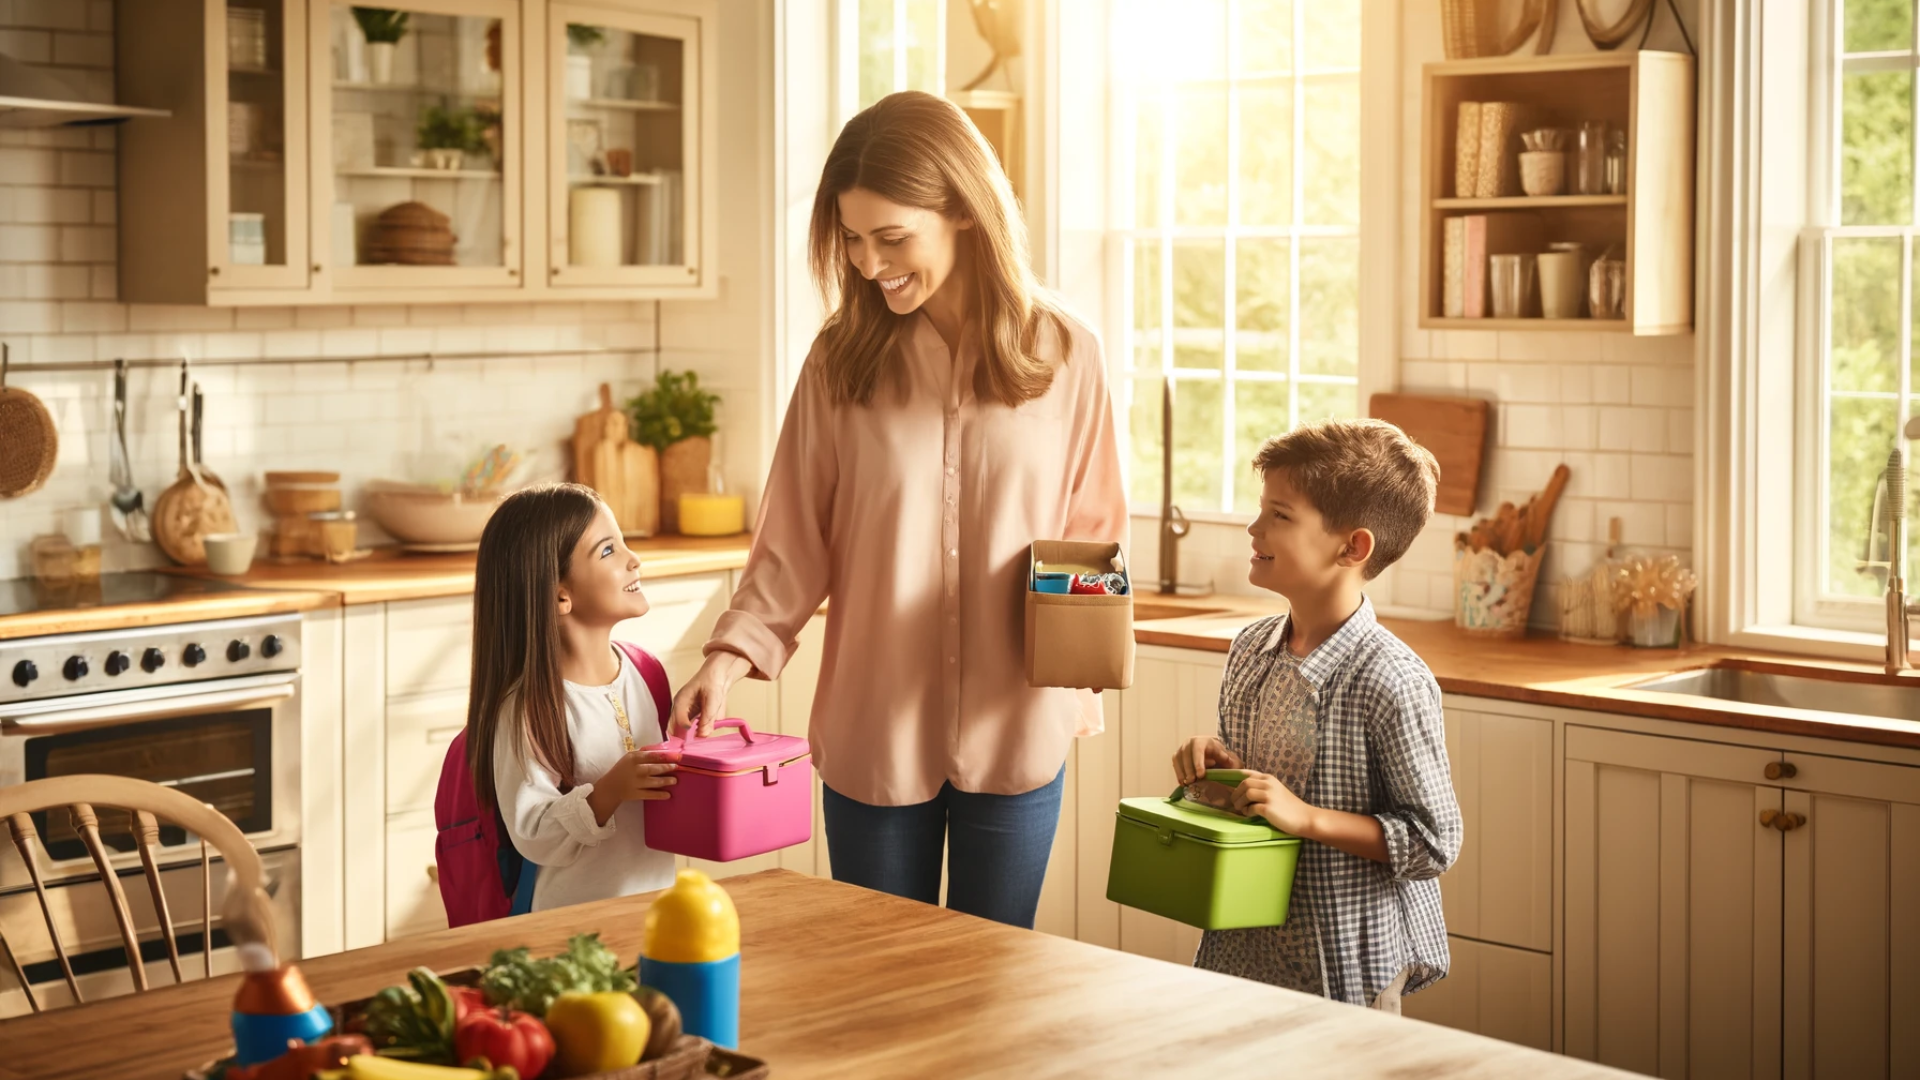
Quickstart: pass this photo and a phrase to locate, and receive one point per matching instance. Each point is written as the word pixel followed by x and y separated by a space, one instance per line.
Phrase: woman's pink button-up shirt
pixel 914 514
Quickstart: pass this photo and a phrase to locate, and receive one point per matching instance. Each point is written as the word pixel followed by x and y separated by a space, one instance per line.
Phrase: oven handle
pixel 232 696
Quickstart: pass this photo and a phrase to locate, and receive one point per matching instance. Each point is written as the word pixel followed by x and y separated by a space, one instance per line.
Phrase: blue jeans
pixel 997 848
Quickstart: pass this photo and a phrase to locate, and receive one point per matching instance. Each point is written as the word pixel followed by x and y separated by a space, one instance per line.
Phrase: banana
pixel 373 1067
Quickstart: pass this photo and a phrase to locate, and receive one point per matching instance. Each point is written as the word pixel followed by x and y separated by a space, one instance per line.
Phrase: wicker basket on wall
pixel 411 234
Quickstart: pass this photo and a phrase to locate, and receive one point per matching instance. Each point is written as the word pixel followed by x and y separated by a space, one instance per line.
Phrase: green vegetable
pixel 675 409
pixel 515 979
pixel 414 1021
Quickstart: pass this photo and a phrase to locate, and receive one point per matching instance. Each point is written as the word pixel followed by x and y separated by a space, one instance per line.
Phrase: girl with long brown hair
pixel 949 414
pixel 556 709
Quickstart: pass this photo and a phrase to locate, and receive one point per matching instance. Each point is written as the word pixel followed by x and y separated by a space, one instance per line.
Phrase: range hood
pixel 32 97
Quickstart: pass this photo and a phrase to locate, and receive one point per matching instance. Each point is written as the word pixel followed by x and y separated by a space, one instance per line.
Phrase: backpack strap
pixel 656 676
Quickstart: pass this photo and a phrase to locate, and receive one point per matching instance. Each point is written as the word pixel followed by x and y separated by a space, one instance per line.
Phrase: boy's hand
pixel 1268 797
pixel 639 774
pixel 1200 753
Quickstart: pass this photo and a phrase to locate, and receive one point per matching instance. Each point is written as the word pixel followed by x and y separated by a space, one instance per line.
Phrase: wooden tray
pixel 690 1058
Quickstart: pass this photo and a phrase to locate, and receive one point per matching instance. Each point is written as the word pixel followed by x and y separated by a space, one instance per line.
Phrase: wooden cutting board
pixel 625 473
pixel 1454 431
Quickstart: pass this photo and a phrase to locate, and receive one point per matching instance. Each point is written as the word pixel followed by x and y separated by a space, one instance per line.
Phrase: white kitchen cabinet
pixel 413 883
pixel 1851 1006
pixel 456 165
pixel 1673 905
pixel 1492 990
pixel 1501 889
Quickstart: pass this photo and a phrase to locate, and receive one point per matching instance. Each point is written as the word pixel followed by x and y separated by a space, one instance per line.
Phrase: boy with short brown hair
pixel 1338 726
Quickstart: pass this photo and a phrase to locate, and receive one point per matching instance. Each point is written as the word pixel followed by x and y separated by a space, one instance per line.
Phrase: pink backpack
pixel 481 875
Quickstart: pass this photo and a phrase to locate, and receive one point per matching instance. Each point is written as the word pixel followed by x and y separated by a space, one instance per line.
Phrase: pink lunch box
pixel 740 794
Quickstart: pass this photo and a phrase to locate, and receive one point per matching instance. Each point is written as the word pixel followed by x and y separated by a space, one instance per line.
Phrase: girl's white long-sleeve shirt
pixel 579 858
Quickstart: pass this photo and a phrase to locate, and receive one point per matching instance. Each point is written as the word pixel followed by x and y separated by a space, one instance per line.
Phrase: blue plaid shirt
pixel 1380 750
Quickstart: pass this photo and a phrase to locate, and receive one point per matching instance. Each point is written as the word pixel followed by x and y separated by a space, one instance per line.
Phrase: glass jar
pixel 1617 163
pixel 1590 159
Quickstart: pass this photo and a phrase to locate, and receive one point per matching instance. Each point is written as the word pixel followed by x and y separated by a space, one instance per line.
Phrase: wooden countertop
pixel 391 574
pixel 841 982
pixel 1549 671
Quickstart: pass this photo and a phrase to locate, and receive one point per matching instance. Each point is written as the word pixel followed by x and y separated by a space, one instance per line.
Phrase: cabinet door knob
pixel 1783 820
pixel 1781 770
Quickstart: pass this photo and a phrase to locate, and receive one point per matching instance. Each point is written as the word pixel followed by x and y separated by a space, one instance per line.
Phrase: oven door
pixel 231 743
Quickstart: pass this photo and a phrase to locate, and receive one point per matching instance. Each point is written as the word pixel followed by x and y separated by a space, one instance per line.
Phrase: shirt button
pixel 953 553
pixel 949 470
pixel 953 659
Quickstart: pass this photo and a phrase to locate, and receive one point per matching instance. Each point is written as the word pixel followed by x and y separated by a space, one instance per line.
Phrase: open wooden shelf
pixel 1649 95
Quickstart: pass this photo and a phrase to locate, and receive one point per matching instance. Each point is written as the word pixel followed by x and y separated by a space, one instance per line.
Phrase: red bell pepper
pixel 506 1039
pixel 466 1000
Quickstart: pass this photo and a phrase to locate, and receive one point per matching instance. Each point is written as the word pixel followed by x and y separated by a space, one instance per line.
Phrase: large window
pixel 1866 259
pixel 898 44
pixel 1237 144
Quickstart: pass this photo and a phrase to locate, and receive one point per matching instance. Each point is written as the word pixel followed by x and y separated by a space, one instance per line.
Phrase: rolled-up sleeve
pixel 1419 813
pixel 789 567
pixel 1097 500
pixel 546 826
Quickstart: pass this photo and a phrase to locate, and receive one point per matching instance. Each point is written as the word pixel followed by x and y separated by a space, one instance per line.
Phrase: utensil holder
pixel 1543 172
pixel 1493 593
pixel 1657 629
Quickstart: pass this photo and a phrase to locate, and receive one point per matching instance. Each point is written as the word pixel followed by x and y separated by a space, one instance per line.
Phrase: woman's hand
pixel 1269 798
pixel 639 774
pixel 704 699
pixel 1200 753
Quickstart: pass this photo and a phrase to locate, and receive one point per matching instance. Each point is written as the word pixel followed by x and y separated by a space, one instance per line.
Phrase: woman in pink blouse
pixel 949 414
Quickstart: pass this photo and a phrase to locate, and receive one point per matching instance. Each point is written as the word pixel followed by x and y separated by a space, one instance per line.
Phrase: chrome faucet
pixel 1173 524
pixel 1897 660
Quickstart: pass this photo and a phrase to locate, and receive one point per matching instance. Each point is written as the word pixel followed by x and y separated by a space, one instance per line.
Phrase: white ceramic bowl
pixel 414 516
pixel 230 553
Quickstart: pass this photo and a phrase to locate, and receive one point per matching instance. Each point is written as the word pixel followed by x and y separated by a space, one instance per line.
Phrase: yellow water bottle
pixel 691 953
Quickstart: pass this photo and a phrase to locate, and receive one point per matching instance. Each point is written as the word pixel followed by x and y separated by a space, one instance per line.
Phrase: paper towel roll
pixel 593 226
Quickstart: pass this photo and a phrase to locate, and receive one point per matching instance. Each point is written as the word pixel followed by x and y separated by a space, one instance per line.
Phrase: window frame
pixel 1376 230
pixel 847 53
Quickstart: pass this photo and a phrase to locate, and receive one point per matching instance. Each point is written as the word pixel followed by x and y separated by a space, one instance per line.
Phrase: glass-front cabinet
pixel 418 181
pixel 623 155
pixel 441 151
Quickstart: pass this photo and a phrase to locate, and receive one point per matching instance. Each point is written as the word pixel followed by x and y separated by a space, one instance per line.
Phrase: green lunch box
pixel 1201 866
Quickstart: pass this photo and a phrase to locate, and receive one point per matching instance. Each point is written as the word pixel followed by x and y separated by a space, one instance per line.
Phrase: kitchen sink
pixel 1148 610
pixel 1814 692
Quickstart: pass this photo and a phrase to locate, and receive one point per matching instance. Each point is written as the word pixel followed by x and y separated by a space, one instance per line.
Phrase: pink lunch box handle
pixel 679 742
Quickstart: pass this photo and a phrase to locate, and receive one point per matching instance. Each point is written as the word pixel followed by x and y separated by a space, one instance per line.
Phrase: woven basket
pixel 411 234
pixel 1467 35
pixel 29 444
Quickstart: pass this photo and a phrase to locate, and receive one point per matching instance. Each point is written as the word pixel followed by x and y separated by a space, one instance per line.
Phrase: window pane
pixel 1143 441
pixel 1147 152
pixel 1261 292
pixel 1861 434
pixel 1866 314
pixel 876 50
pixel 1199 283
pixel 1188 38
pixel 1196 444
pixel 1330 305
pixel 1146 284
pixel 1328 401
pixel 1879 25
pixel 1260 413
pixel 1331 171
pixel 923 41
pixel 1876 148
pixel 1199 304
pixel 1263 37
pixel 1200 157
pixel 1331 36
pixel 1266 154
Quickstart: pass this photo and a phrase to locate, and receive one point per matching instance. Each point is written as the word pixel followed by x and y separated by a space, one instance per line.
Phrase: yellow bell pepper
pixel 597 1032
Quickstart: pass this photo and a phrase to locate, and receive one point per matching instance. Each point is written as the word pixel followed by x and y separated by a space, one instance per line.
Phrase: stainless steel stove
pixel 210 708
pixel 25 596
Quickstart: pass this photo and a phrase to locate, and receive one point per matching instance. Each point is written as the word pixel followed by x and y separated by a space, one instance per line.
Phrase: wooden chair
pixel 245 912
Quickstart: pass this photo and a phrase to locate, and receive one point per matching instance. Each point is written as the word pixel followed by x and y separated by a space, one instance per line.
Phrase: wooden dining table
pixel 839 982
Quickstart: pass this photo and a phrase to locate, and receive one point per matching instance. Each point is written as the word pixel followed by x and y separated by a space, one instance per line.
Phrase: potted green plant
pixel 446 135
pixel 580 38
pixel 383 28
pixel 675 417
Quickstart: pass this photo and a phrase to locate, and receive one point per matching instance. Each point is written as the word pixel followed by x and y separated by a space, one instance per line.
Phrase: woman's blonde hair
pixel 921 151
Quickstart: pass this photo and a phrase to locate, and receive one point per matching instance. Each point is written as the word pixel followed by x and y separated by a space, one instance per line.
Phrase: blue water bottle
pixel 691 953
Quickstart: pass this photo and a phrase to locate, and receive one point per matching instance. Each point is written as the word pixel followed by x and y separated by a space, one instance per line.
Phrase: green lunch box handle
pixel 1229 777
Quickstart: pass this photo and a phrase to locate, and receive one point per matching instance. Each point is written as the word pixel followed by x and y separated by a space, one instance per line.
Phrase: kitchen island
pixel 839 982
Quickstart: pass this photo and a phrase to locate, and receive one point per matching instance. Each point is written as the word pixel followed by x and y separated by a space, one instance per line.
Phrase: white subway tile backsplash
pixel 1662 478
pixel 1530 426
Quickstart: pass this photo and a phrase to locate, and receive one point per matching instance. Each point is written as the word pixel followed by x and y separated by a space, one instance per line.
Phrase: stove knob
pixel 193 656
pixel 118 662
pixel 75 669
pixel 152 660
pixel 25 672
pixel 238 651
pixel 272 646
